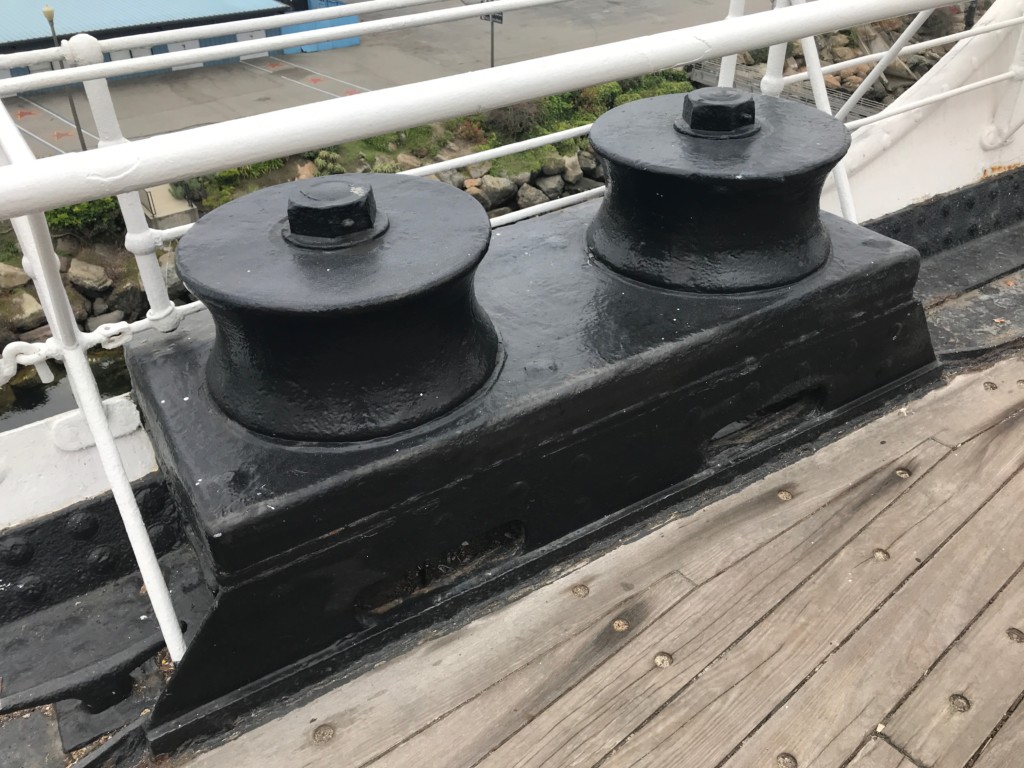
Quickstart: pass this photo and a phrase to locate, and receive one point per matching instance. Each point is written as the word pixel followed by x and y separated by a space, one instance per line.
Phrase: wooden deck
pixel 863 607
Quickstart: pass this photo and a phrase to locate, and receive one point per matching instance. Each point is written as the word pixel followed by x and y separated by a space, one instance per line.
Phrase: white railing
pixel 206 31
pixel 120 167
pixel 83 48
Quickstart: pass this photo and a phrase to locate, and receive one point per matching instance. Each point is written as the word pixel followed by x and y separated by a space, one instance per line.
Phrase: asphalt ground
pixel 167 102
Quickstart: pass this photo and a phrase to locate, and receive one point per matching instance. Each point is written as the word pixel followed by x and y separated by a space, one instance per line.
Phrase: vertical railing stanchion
pixel 44 268
pixel 140 239
pixel 727 71
pixel 818 88
pixel 771 83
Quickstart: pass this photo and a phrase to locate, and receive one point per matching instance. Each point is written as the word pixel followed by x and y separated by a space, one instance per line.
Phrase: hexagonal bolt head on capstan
pixel 333 214
pixel 718 113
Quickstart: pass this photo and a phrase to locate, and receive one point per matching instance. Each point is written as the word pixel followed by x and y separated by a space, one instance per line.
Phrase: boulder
pixel 497 190
pixel 842 53
pixel 498 212
pixel 584 185
pixel 454 178
pixel 68 244
pixel 127 297
pixel 111 317
pixel 100 307
pixel 80 305
pixel 831 81
pixel 529 195
pixel 469 184
pixel 522 178
pixel 20 311
pixel 407 162
pixel 590 165
pixel 90 279
pixel 553 166
pixel 65 263
pixel 551 186
pixel 572 172
pixel 40 334
pixel 12 277
pixel 477 194
pixel 479 170
pixel 175 288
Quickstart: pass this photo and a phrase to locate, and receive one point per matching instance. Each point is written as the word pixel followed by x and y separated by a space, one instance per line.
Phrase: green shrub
pixel 385 166
pixel 421 141
pixel 662 88
pixel 92 221
pixel 515 122
pixel 599 98
pixel 9 251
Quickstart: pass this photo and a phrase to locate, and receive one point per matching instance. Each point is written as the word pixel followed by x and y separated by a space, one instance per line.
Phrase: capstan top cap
pixel 718 113
pixel 334 244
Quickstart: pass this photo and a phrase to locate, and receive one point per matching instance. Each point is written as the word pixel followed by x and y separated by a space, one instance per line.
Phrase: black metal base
pixel 611 392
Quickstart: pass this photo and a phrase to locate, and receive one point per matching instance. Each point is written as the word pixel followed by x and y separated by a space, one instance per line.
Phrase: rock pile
pixel 557 177
pixel 101 284
pixel 876 38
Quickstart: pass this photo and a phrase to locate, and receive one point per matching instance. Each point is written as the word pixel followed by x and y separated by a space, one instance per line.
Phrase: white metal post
pixel 820 92
pixel 140 239
pixel 44 267
pixel 771 83
pixel 727 69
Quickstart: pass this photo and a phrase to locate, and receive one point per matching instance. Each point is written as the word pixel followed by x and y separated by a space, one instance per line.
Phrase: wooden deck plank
pixel 865 678
pixel 462 738
pixel 710 718
pixel 726 531
pixel 593 717
pixel 877 754
pixel 1006 749
pixel 986 669
pixel 693 633
pixel 387 705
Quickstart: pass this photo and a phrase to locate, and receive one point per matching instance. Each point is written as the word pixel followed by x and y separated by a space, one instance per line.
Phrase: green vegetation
pixel 208 192
pixel 92 221
pixel 9 251
pixel 500 126
pixel 476 132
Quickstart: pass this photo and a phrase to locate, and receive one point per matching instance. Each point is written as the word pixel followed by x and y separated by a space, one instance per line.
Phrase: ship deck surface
pixel 862 607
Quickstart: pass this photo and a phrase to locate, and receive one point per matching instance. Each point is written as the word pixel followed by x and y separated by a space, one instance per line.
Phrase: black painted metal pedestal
pixel 605 392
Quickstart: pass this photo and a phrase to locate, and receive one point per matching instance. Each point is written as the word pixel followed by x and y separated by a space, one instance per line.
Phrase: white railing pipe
pixel 44 267
pixel 727 69
pixel 174 233
pixel 548 207
pixel 502 151
pixel 879 69
pixel 204 31
pixel 139 238
pixel 57 181
pixel 85 71
pixel 899 109
pixel 871 58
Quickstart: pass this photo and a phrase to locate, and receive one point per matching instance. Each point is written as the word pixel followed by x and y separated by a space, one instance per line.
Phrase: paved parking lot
pixel 167 102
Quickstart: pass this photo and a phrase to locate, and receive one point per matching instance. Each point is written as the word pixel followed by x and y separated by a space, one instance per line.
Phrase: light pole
pixel 48 15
